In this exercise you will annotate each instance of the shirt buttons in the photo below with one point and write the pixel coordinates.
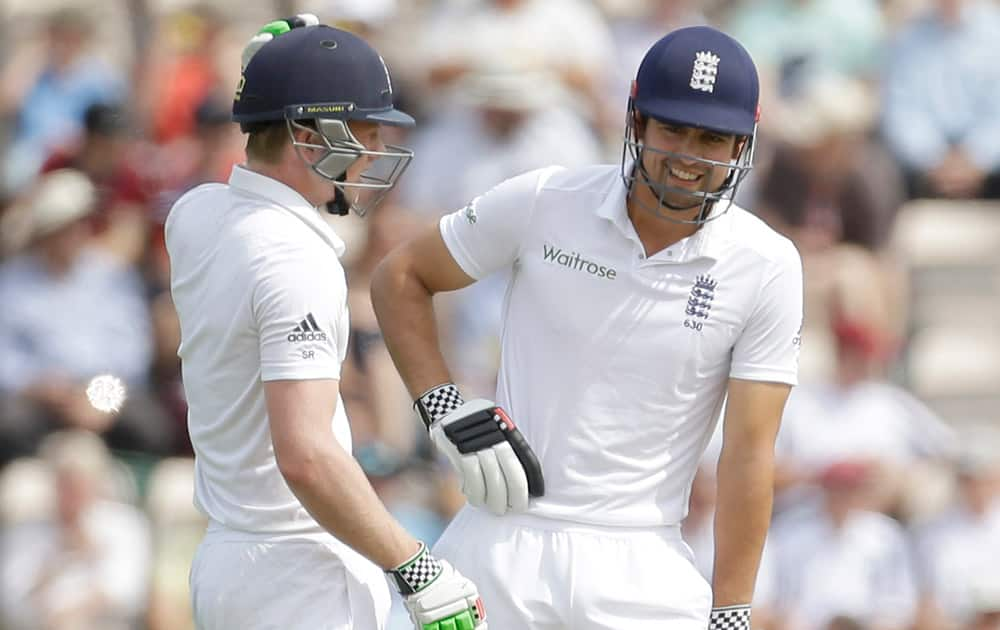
(642, 256)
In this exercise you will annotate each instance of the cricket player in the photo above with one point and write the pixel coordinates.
(641, 298)
(297, 538)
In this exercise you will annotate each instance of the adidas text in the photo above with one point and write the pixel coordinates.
(306, 336)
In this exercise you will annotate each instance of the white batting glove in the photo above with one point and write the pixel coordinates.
(270, 31)
(730, 618)
(436, 595)
(496, 466)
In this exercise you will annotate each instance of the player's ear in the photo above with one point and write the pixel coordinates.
(741, 142)
(640, 125)
(303, 134)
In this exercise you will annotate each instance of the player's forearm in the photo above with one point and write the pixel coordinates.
(743, 514)
(334, 489)
(405, 311)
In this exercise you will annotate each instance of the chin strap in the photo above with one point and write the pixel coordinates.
(339, 204)
(706, 210)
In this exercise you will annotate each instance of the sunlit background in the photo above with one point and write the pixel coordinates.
(879, 155)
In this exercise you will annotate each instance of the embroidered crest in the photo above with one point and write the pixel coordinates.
(702, 293)
(706, 66)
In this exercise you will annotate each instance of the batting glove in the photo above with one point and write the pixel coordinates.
(436, 595)
(495, 464)
(272, 30)
(730, 618)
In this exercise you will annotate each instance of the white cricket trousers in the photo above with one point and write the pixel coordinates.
(240, 581)
(543, 574)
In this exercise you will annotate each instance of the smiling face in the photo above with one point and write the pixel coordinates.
(674, 154)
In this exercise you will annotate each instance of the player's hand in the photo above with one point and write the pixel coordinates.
(495, 464)
(271, 30)
(730, 618)
(437, 596)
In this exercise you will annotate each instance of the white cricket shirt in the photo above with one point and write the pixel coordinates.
(261, 296)
(615, 365)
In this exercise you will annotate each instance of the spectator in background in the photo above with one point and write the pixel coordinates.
(85, 567)
(106, 153)
(190, 73)
(365, 18)
(507, 121)
(828, 182)
(177, 527)
(70, 313)
(49, 99)
(206, 154)
(960, 548)
(568, 38)
(860, 415)
(793, 41)
(841, 559)
(812, 36)
(942, 101)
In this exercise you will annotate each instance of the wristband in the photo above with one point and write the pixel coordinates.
(730, 618)
(416, 573)
(437, 402)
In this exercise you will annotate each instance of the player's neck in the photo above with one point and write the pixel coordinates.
(291, 175)
(657, 233)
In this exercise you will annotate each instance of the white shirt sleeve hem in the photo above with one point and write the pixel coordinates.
(297, 373)
(761, 373)
(458, 252)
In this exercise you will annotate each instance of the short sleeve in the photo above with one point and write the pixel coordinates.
(300, 309)
(486, 235)
(768, 348)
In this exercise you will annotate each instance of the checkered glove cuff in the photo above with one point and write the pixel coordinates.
(437, 402)
(416, 573)
(730, 618)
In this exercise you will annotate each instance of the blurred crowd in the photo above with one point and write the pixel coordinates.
(878, 154)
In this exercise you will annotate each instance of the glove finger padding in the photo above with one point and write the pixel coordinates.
(470, 475)
(529, 461)
(473, 481)
(516, 479)
(493, 477)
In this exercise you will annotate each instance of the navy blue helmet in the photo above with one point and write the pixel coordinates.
(319, 78)
(694, 77)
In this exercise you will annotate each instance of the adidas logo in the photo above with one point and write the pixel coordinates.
(307, 330)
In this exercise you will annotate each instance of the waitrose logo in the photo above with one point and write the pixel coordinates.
(572, 260)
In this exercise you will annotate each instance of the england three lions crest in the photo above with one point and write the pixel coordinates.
(699, 304)
(706, 67)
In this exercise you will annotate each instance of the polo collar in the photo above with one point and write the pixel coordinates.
(711, 239)
(613, 207)
(262, 186)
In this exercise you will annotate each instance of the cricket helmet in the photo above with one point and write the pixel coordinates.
(693, 77)
(319, 78)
